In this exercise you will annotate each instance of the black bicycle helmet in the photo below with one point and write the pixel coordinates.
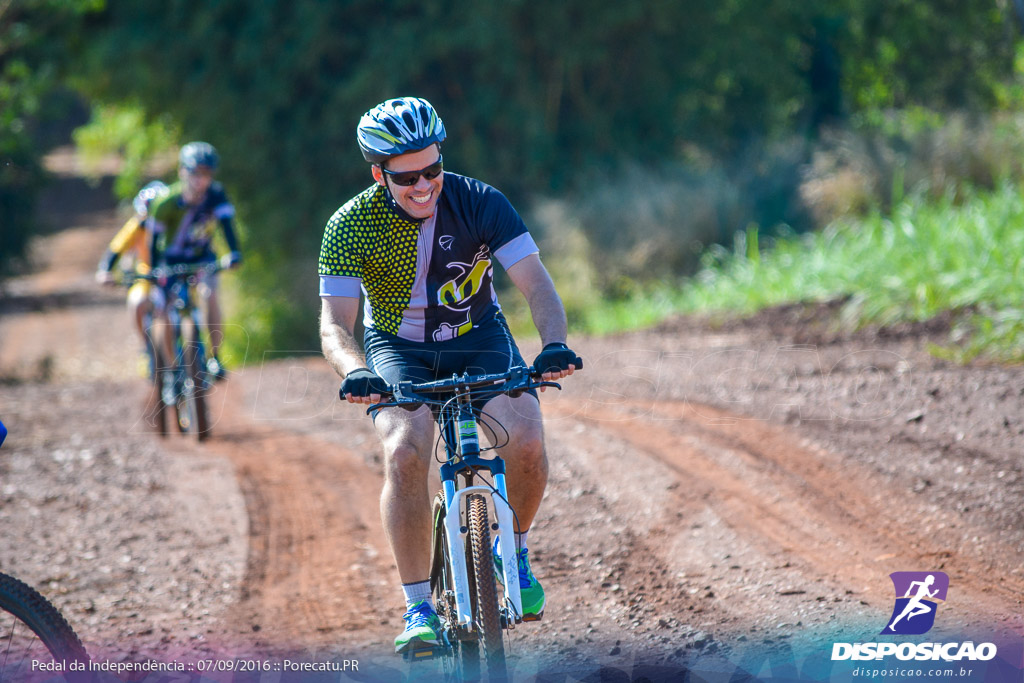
(404, 124)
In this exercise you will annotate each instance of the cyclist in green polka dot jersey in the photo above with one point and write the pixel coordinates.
(419, 245)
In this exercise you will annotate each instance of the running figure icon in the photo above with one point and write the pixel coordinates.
(918, 594)
(916, 606)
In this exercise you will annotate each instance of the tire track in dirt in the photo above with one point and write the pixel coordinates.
(318, 566)
(779, 496)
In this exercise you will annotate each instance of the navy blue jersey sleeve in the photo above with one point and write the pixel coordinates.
(224, 211)
(496, 222)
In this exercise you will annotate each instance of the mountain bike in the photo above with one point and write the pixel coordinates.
(36, 642)
(474, 615)
(183, 380)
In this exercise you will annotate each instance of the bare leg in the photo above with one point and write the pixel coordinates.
(526, 462)
(405, 500)
(138, 305)
(163, 332)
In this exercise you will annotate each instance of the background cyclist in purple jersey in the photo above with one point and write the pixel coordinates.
(182, 225)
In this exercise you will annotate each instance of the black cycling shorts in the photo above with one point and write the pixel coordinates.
(487, 349)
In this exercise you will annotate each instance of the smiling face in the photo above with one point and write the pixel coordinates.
(419, 199)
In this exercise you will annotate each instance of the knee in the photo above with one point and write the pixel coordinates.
(406, 464)
(529, 450)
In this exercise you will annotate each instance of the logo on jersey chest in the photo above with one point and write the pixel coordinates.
(468, 282)
(201, 228)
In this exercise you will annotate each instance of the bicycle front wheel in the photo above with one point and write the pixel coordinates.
(487, 612)
(36, 642)
(157, 412)
(195, 383)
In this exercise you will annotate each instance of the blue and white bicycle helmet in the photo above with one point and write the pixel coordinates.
(404, 124)
(196, 154)
(144, 199)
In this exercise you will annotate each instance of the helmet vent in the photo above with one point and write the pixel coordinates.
(397, 127)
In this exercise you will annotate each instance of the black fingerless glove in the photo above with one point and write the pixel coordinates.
(362, 382)
(556, 357)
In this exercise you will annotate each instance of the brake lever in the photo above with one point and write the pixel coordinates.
(377, 406)
(405, 405)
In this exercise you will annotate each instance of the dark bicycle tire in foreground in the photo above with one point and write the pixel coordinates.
(36, 641)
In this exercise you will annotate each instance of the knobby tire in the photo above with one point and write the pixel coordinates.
(487, 610)
(157, 412)
(465, 658)
(28, 620)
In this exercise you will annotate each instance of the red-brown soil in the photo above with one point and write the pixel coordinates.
(712, 486)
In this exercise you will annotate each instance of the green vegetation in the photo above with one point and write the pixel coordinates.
(928, 258)
(539, 99)
(37, 39)
(122, 129)
(636, 134)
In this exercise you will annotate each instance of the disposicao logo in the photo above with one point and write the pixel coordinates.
(918, 595)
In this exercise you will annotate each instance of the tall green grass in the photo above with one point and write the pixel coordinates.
(928, 258)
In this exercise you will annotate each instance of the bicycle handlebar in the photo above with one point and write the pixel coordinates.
(169, 272)
(183, 269)
(411, 395)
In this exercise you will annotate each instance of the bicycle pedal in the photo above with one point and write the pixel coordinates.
(533, 617)
(422, 653)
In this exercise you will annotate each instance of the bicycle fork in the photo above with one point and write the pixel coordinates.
(455, 509)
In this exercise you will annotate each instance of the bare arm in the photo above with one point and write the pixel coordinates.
(532, 279)
(337, 338)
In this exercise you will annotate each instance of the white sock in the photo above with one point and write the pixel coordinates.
(521, 539)
(416, 592)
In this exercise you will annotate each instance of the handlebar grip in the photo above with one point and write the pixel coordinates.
(578, 363)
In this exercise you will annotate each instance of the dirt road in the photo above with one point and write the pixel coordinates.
(712, 487)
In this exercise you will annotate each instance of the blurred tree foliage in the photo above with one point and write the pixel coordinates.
(123, 129)
(532, 93)
(37, 40)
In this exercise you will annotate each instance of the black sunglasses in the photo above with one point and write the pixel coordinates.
(407, 178)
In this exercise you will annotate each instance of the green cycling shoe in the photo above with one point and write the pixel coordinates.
(422, 629)
(530, 590)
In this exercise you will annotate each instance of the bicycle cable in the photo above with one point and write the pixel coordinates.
(445, 417)
(493, 433)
